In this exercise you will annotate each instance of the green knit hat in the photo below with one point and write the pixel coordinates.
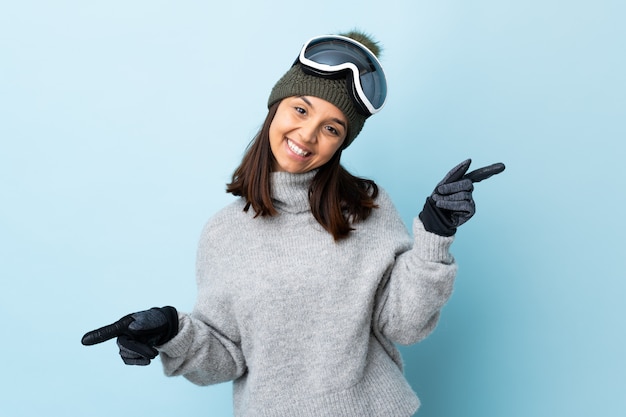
(296, 83)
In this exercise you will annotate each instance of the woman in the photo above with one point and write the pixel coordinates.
(307, 281)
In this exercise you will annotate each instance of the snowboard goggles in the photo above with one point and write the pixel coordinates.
(334, 56)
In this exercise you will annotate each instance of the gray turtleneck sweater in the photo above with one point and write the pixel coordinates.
(306, 326)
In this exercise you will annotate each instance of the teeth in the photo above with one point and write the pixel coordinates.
(297, 150)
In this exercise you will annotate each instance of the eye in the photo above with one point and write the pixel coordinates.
(333, 131)
(300, 110)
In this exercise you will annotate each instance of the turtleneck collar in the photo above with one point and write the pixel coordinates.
(290, 192)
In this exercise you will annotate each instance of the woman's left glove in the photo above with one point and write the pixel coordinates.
(138, 334)
(451, 203)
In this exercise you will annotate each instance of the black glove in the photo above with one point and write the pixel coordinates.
(138, 333)
(451, 203)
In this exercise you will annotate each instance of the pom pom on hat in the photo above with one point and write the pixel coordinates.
(296, 83)
(364, 39)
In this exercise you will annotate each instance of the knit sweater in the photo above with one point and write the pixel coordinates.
(306, 326)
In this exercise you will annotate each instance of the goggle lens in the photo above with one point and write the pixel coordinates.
(330, 56)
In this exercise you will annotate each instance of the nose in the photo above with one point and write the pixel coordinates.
(308, 132)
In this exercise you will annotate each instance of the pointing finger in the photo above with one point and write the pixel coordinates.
(457, 172)
(107, 332)
(485, 172)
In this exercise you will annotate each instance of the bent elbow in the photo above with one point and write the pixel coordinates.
(416, 332)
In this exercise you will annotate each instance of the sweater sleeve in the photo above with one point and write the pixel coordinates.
(207, 348)
(415, 288)
(201, 353)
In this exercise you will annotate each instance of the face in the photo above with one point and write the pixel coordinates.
(305, 133)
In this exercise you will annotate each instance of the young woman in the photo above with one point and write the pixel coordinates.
(308, 280)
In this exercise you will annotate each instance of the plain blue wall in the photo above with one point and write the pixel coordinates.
(120, 123)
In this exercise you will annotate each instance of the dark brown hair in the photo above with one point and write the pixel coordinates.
(338, 199)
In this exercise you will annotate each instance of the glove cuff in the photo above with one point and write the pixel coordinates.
(172, 324)
(435, 221)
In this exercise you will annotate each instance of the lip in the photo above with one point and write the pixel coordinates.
(291, 143)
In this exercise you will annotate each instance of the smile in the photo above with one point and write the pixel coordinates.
(296, 149)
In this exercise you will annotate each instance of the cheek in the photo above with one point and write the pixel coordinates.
(330, 149)
(274, 140)
(274, 131)
(278, 125)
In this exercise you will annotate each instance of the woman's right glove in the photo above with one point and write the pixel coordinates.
(451, 204)
(138, 334)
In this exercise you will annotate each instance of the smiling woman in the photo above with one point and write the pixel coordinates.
(308, 281)
(305, 133)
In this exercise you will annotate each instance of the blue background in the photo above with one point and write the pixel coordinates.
(121, 121)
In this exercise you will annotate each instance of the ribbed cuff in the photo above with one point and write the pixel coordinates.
(431, 246)
(180, 343)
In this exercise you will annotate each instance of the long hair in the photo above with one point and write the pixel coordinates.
(338, 199)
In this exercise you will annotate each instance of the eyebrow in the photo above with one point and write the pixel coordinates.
(339, 121)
